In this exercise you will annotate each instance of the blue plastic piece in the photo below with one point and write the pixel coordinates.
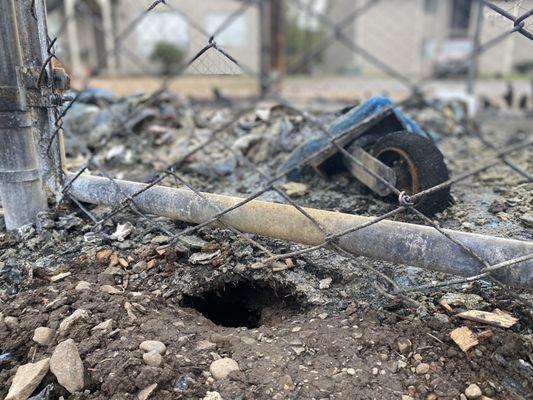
(372, 106)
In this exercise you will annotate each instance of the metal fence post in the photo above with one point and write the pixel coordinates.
(21, 190)
(39, 86)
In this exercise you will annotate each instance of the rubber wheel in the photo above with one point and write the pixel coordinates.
(419, 165)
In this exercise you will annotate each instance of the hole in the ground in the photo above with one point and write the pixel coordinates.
(244, 304)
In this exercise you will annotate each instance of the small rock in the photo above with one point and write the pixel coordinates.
(422, 368)
(110, 289)
(223, 367)
(324, 283)
(375, 371)
(298, 350)
(193, 241)
(59, 277)
(350, 371)
(294, 189)
(12, 323)
(67, 323)
(152, 359)
(205, 345)
(204, 258)
(401, 364)
(442, 318)
(146, 392)
(323, 315)
(527, 220)
(67, 366)
(473, 392)
(153, 345)
(129, 310)
(287, 383)
(122, 232)
(469, 301)
(212, 396)
(83, 285)
(105, 326)
(404, 345)
(140, 267)
(160, 239)
(407, 397)
(43, 335)
(27, 378)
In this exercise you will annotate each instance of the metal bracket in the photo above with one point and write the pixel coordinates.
(29, 175)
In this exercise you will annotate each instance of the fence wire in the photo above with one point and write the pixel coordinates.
(206, 56)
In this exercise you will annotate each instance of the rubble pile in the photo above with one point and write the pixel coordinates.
(120, 310)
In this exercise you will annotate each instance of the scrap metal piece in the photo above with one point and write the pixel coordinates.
(397, 242)
(374, 165)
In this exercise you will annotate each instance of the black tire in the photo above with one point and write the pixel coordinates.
(419, 165)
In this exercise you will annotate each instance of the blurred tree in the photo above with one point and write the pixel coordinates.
(168, 55)
(300, 42)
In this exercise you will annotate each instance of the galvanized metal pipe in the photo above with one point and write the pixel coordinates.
(20, 187)
(398, 242)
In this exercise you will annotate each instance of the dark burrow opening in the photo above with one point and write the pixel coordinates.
(245, 304)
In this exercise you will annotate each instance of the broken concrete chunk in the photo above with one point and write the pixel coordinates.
(27, 378)
(110, 289)
(499, 319)
(43, 335)
(467, 300)
(294, 189)
(68, 322)
(82, 285)
(464, 338)
(59, 277)
(152, 359)
(105, 326)
(203, 258)
(194, 242)
(212, 396)
(129, 309)
(67, 366)
(122, 232)
(404, 345)
(145, 393)
(324, 283)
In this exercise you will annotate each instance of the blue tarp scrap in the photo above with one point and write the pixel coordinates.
(372, 106)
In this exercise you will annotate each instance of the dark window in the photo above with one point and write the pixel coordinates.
(460, 19)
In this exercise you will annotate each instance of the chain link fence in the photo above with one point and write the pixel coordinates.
(212, 97)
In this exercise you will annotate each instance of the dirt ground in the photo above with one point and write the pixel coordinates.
(320, 329)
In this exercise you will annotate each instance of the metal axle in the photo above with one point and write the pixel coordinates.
(397, 242)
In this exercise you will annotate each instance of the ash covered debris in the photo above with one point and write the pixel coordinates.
(134, 285)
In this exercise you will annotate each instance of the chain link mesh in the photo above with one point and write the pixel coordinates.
(387, 55)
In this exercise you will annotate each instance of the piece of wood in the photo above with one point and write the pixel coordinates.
(485, 335)
(464, 338)
(445, 305)
(499, 319)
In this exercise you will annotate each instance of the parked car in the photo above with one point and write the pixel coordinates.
(453, 58)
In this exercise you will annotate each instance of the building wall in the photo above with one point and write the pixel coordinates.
(188, 19)
(180, 23)
(405, 34)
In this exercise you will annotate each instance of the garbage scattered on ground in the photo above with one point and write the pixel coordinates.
(134, 315)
